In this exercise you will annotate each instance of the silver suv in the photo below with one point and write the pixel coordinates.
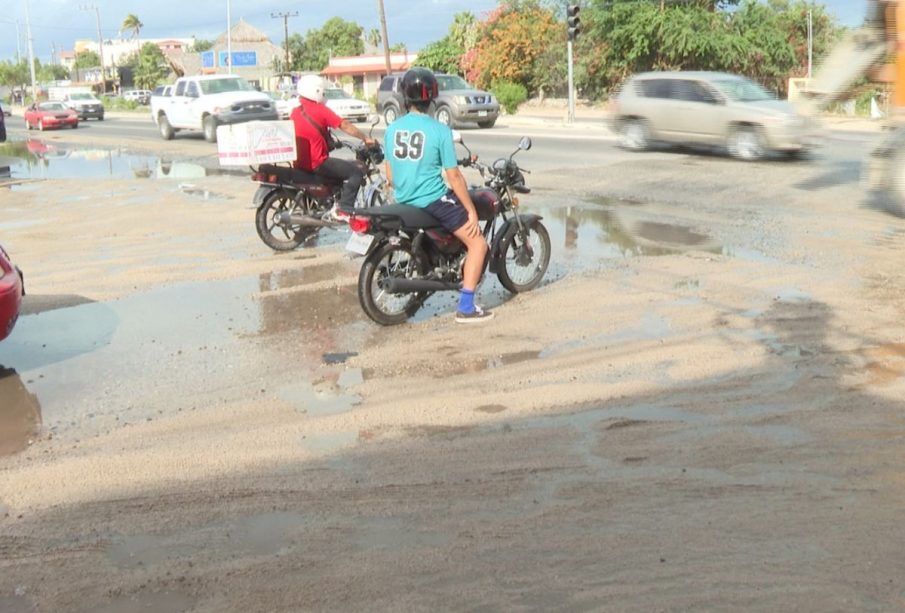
(707, 108)
(457, 102)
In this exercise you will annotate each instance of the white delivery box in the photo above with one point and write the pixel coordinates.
(256, 142)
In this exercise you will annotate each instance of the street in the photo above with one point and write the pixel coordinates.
(700, 407)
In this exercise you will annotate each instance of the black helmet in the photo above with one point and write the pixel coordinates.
(419, 85)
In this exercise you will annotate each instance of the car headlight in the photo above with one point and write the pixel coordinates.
(463, 99)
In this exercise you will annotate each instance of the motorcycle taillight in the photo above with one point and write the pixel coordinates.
(258, 177)
(360, 224)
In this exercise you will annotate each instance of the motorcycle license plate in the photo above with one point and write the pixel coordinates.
(482, 113)
(359, 243)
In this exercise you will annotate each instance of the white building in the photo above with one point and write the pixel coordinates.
(117, 50)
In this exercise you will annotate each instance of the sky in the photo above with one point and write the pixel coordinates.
(413, 22)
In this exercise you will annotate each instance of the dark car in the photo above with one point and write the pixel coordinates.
(2, 125)
(457, 101)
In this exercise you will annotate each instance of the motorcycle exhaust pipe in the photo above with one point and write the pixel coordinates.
(397, 285)
(295, 219)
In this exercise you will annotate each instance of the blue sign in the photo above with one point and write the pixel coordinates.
(240, 58)
(207, 59)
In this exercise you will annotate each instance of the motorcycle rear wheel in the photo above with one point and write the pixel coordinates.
(525, 258)
(275, 235)
(383, 263)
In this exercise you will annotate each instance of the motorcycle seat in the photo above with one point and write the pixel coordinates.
(410, 216)
(296, 176)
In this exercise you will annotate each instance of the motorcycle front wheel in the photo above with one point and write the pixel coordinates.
(382, 264)
(526, 255)
(275, 235)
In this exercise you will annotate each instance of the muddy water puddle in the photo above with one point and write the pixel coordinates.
(95, 366)
(36, 158)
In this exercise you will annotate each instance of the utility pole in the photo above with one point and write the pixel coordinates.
(31, 52)
(18, 41)
(383, 32)
(100, 40)
(229, 39)
(286, 17)
(810, 41)
(573, 29)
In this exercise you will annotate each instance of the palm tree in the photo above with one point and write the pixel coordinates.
(133, 24)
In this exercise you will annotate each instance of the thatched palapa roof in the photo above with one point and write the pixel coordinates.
(243, 32)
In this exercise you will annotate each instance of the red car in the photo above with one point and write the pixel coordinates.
(12, 288)
(50, 115)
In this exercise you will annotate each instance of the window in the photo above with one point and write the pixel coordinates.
(180, 88)
(192, 90)
(387, 84)
(655, 88)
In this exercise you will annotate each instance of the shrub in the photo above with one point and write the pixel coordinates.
(510, 94)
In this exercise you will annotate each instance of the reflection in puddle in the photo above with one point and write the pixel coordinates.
(507, 359)
(317, 401)
(307, 275)
(202, 192)
(20, 413)
(38, 159)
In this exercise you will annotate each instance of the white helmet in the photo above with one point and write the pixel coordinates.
(312, 87)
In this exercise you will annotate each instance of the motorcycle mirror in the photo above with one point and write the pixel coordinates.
(525, 143)
(457, 137)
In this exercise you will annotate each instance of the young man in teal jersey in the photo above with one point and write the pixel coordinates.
(420, 151)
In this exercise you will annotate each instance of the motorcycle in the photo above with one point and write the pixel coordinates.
(409, 256)
(293, 205)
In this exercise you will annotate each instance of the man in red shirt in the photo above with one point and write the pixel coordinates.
(312, 119)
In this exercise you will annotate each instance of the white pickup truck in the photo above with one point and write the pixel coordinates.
(205, 102)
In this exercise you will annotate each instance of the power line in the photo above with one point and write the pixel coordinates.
(285, 17)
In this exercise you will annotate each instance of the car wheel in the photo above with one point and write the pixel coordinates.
(747, 143)
(210, 129)
(390, 114)
(100, 118)
(486, 124)
(633, 135)
(166, 130)
(75, 125)
(444, 116)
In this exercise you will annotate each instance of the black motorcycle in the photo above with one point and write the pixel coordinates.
(293, 205)
(409, 256)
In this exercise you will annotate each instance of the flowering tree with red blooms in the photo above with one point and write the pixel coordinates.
(514, 41)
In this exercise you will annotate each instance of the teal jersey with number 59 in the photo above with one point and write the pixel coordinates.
(418, 148)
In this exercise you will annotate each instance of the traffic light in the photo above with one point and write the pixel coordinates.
(573, 22)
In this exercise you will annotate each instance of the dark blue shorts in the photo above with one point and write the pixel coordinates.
(449, 212)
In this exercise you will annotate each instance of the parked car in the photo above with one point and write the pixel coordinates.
(50, 115)
(12, 288)
(457, 101)
(2, 125)
(86, 105)
(285, 102)
(141, 96)
(345, 105)
(707, 108)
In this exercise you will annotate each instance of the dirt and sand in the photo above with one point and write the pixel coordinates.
(715, 425)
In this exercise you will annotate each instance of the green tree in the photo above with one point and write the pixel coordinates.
(14, 74)
(202, 45)
(134, 25)
(87, 59)
(152, 67)
(373, 38)
(336, 37)
(441, 56)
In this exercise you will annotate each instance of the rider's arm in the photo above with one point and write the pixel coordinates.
(347, 127)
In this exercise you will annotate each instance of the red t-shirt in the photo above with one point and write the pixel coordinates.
(311, 147)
